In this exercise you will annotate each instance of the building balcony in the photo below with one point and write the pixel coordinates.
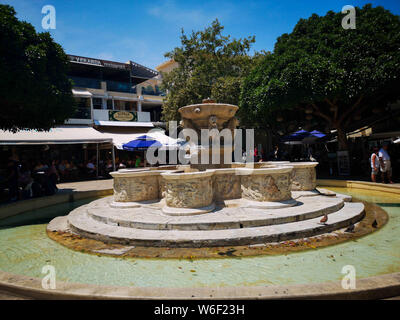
(81, 82)
(120, 86)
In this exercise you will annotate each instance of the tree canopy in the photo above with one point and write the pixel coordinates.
(35, 92)
(322, 70)
(210, 65)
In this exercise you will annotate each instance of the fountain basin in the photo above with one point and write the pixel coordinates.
(189, 190)
(199, 114)
(132, 186)
(226, 184)
(266, 184)
(304, 176)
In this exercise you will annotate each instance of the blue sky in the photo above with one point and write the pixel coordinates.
(143, 31)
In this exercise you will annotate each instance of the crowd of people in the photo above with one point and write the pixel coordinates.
(30, 179)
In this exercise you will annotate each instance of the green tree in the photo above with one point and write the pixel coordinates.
(323, 70)
(209, 65)
(35, 92)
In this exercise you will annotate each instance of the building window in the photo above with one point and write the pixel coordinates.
(119, 86)
(86, 82)
(124, 105)
(109, 104)
(97, 103)
(82, 109)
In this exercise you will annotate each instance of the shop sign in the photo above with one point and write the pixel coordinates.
(98, 62)
(122, 116)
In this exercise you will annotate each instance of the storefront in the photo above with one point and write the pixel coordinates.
(77, 144)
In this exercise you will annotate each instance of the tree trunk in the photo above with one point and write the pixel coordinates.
(342, 138)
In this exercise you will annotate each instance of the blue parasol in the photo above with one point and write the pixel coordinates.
(317, 134)
(302, 137)
(141, 143)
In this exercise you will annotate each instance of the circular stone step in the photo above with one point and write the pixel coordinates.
(152, 218)
(85, 226)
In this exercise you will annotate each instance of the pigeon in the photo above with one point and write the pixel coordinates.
(375, 224)
(324, 219)
(350, 228)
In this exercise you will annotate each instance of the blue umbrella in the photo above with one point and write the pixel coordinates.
(296, 137)
(141, 143)
(302, 137)
(317, 134)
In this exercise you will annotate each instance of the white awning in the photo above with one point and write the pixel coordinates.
(81, 93)
(123, 124)
(120, 139)
(58, 135)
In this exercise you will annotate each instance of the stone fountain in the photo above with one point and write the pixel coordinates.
(211, 205)
(210, 115)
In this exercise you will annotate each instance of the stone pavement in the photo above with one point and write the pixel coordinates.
(92, 185)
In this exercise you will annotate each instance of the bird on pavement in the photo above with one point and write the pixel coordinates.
(350, 228)
(375, 224)
(324, 219)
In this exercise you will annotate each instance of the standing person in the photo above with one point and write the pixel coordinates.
(137, 161)
(25, 181)
(374, 160)
(255, 154)
(12, 180)
(244, 155)
(386, 165)
(53, 174)
(276, 154)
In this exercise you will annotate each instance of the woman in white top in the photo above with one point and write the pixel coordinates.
(374, 160)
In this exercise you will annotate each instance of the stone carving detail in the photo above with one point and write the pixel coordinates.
(212, 122)
(135, 189)
(304, 179)
(161, 187)
(189, 193)
(189, 124)
(272, 187)
(226, 186)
